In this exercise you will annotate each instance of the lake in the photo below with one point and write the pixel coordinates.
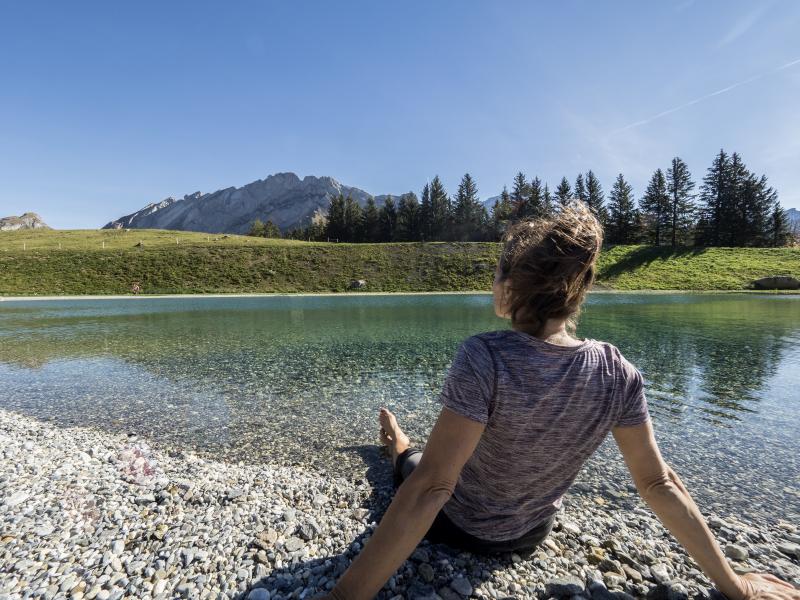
(298, 380)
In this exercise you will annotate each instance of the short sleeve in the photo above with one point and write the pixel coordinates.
(470, 383)
(633, 403)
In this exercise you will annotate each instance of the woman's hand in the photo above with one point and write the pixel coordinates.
(762, 586)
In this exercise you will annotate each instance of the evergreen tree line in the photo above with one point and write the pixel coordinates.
(734, 207)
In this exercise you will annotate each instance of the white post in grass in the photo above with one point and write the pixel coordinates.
(104, 244)
(24, 246)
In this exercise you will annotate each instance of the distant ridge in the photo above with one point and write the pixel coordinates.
(28, 220)
(794, 217)
(282, 198)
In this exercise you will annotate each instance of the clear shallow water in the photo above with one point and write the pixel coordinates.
(298, 380)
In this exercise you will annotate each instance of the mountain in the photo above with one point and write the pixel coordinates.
(27, 221)
(489, 202)
(283, 198)
(794, 217)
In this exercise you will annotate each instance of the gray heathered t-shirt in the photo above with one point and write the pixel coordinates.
(546, 408)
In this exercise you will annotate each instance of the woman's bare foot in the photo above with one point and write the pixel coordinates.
(392, 436)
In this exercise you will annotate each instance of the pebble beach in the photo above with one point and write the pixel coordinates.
(88, 514)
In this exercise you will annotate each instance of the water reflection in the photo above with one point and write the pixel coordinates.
(279, 378)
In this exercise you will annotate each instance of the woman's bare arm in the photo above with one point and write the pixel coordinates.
(664, 492)
(414, 507)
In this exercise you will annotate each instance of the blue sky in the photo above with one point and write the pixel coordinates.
(108, 106)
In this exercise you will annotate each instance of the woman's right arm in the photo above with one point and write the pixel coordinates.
(666, 495)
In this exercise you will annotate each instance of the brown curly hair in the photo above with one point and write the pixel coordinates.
(550, 265)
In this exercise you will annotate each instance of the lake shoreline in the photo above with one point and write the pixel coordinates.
(146, 520)
(355, 294)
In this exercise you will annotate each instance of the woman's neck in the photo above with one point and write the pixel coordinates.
(554, 331)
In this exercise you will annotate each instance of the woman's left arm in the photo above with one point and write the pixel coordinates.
(414, 508)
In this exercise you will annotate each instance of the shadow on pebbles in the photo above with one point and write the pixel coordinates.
(93, 515)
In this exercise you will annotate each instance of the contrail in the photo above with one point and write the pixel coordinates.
(706, 97)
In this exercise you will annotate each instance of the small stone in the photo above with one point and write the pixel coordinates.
(667, 592)
(716, 523)
(44, 530)
(570, 527)
(790, 549)
(234, 493)
(422, 592)
(736, 552)
(426, 572)
(632, 574)
(564, 587)
(305, 532)
(421, 555)
(462, 586)
(608, 565)
(145, 499)
(269, 536)
(293, 544)
(613, 579)
(596, 556)
(118, 547)
(319, 500)
(445, 593)
(258, 594)
(360, 514)
(15, 499)
(660, 573)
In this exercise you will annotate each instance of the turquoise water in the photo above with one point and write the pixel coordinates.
(298, 380)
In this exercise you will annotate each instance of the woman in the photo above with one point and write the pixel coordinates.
(523, 410)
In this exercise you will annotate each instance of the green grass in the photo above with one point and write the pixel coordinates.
(75, 263)
(649, 268)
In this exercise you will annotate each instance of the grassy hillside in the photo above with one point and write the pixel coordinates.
(75, 262)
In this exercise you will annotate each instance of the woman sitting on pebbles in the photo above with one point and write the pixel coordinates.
(523, 409)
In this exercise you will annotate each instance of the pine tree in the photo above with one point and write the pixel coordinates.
(372, 232)
(387, 221)
(502, 213)
(336, 227)
(426, 214)
(655, 208)
(580, 188)
(759, 201)
(467, 209)
(622, 213)
(781, 233)
(271, 230)
(519, 195)
(735, 212)
(535, 208)
(594, 197)
(408, 219)
(353, 221)
(563, 192)
(547, 202)
(715, 198)
(440, 212)
(681, 201)
(256, 229)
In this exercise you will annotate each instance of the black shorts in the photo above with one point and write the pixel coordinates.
(444, 531)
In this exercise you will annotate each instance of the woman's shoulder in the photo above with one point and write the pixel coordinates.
(622, 365)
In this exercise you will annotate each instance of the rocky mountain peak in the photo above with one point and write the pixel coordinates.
(282, 198)
(28, 220)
